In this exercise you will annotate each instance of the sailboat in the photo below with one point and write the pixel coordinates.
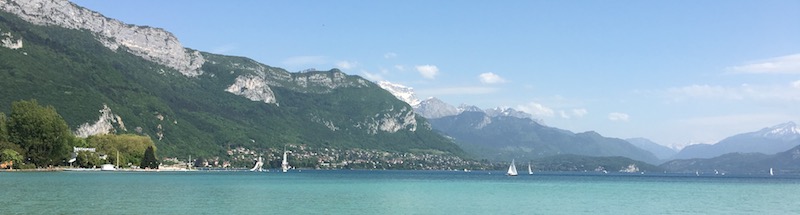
(285, 162)
(258, 165)
(530, 171)
(512, 170)
(771, 173)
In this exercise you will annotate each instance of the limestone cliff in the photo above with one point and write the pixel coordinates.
(153, 44)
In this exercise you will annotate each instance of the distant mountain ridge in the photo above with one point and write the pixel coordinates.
(768, 140)
(433, 107)
(503, 133)
(786, 162)
(660, 151)
(502, 138)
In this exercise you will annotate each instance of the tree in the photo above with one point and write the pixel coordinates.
(10, 156)
(87, 159)
(149, 160)
(131, 148)
(3, 128)
(40, 131)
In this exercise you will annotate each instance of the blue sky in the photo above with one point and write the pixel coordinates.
(676, 72)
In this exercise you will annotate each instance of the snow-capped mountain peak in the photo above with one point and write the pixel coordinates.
(432, 108)
(506, 111)
(403, 93)
(788, 130)
(468, 108)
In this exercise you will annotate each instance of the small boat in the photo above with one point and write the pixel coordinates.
(285, 163)
(771, 173)
(512, 170)
(530, 170)
(107, 167)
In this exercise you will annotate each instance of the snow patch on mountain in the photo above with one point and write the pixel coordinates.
(468, 108)
(785, 131)
(404, 93)
(433, 108)
(506, 111)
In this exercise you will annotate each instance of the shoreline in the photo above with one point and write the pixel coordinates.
(63, 169)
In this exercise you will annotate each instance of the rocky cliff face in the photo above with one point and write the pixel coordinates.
(104, 125)
(9, 41)
(152, 44)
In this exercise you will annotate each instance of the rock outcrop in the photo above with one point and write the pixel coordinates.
(153, 44)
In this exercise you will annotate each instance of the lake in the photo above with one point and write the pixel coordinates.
(392, 192)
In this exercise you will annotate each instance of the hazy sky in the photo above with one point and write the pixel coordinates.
(676, 72)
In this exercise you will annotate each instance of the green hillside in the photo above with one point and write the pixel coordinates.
(72, 71)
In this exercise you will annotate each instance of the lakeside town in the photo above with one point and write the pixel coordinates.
(304, 157)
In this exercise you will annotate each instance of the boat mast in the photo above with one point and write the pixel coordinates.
(117, 159)
(285, 162)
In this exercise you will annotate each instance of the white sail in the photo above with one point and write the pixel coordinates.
(285, 162)
(512, 170)
(530, 171)
(770, 172)
(258, 166)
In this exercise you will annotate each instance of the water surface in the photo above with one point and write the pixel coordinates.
(392, 192)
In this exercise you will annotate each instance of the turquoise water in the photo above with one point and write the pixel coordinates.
(391, 192)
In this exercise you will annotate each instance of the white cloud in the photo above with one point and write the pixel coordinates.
(371, 76)
(615, 116)
(536, 109)
(390, 55)
(742, 92)
(305, 60)
(568, 114)
(400, 67)
(491, 78)
(346, 65)
(579, 112)
(457, 91)
(564, 114)
(703, 91)
(428, 71)
(789, 64)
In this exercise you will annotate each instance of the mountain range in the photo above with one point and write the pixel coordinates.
(786, 162)
(776, 147)
(768, 140)
(188, 101)
(504, 137)
(503, 133)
